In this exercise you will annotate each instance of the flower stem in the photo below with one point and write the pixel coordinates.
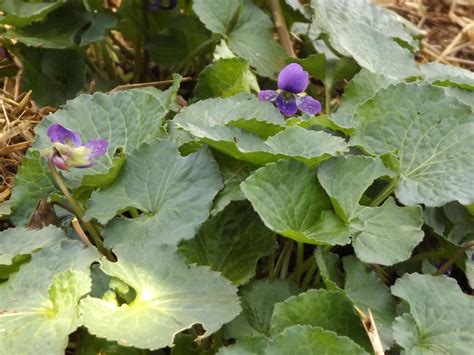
(286, 249)
(79, 211)
(309, 275)
(282, 29)
(386, 192)
(299, 261)
(456, 256)
(271, 265)
(286, 262)
(327, 91)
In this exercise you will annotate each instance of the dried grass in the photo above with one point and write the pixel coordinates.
(18, 117)
(448, 26)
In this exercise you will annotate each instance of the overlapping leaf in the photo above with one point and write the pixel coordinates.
(296, 340)
(301, 339)
(258, 300)
(23, 13)
(170, 297)
(440, 316)
(240, 132)
(387, 234)
(430, 137)
(448, 75)
(23, 241)
(126, 119)
(32, 183)
(361, 88)
(225, 77)
(366, 32)
(378, 236)
(40, 301)
(291, 202)
(368, 292)
(330, 310)
(223, 243)
(248, 31)
(174, 193)
(345, 180)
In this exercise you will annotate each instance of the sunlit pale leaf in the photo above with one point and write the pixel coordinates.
(366, 32)
(430, 137)
(22, 241)
(170, 297)
(40, 301)
(387, 234)
(448, 75)
(440, 316)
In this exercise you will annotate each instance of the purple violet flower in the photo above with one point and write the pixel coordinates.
(69, 152)
(440, 264)
(155, 5)
(290, 96)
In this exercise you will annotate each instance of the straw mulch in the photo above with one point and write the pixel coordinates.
(18, 117)
(447, 25)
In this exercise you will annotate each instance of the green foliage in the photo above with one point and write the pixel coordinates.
(397, 121)
(174, 194)
(213, 222)
(247, 30)
(440, 315)
(170, 297)
(231, 231)
(226, 77)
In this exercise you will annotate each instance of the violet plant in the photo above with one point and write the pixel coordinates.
(229, 224)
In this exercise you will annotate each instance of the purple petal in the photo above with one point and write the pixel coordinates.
(58, 133)
(98, 147)
(293, 79)
(309, 105)
(267, 95)
(286, 105)
(59, 162)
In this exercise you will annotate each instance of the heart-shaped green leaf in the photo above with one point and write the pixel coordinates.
(430, 137)
(170, 297)
(173, 192)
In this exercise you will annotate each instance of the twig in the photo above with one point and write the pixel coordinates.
(371, 328)
(281, 27)
(80, 232)
(150, 83)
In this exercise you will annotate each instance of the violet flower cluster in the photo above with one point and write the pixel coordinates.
(290, 96)
(68, 150)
